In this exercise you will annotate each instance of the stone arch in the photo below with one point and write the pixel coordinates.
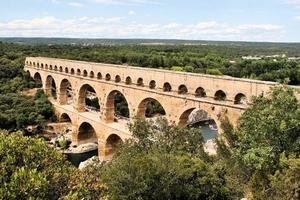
(42, 66)
(150, 107)
(30, 63)
(240, 98)
(152, 84)
(66, 70)
(140, 82)
(66, 93)
(78, 72)
(38, 79)
(112, 143)
(182, 89)
(167, 87)
(87, 99)
(51, 87)
(86, 133)
(85, 73)
(33, 64)
(72, 71)
(99, 75)
(220, 95)
(205, 120)
(64, 117)
(92, 74)
(128, 80)
(200, 92)
(117, 79)
(50, 67)
(38, 65)
(116, 105)
(107, 77)
(55, 68)
(46, 66)
(60, 68)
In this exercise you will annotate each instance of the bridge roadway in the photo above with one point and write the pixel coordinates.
(179, 94)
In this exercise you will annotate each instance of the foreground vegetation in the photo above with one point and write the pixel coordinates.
(258, 159)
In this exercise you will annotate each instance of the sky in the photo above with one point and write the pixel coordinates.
(226, 20)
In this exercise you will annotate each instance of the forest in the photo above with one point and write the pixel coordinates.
(258, 159)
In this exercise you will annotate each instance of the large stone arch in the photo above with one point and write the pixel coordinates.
(38, 79)
(110, 109)
(112, 143)
(64, 117)
(142, 107)
(86, 133)
(183, 117)
(51, 87)
(82, 95)
(65, 92)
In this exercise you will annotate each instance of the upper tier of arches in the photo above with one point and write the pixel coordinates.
(193, 91)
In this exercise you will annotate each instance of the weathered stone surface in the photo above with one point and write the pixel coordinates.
(91, 161)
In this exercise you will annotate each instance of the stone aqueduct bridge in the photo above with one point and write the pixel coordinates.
(179, 93)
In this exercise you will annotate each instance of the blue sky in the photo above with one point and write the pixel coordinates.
(243, 20)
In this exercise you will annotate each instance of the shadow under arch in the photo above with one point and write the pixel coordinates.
(150, 107)
(88, 99)
(86, 134)
(51, 87)
(116, 105)
(66, 92)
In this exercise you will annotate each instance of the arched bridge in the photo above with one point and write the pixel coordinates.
(70, 84)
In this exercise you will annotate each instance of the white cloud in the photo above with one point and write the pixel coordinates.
(297, 17)
(75, 4)
(116, 27)
(131, 12)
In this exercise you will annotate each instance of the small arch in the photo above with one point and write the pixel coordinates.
(78, 72)
(117, 79)
(34, 64)
(30, 63)
(92, 74)
(167, 87)
(113, 142)
(107, 77)
(152, 84)
(65, 118)
(50, 67)
(66, 70)
(27, 62)
(38, 65)
(42, 66)
(99, 75)
(86, 134)
(220, 95)
(46, 66)
(200, 92)
(72, 71)
(140, 82)
(85, 73)
(38, 79)
(60, 69)
(182, 89)
(55, 68)
(128, 80)
(240, 98)
(150, 107)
